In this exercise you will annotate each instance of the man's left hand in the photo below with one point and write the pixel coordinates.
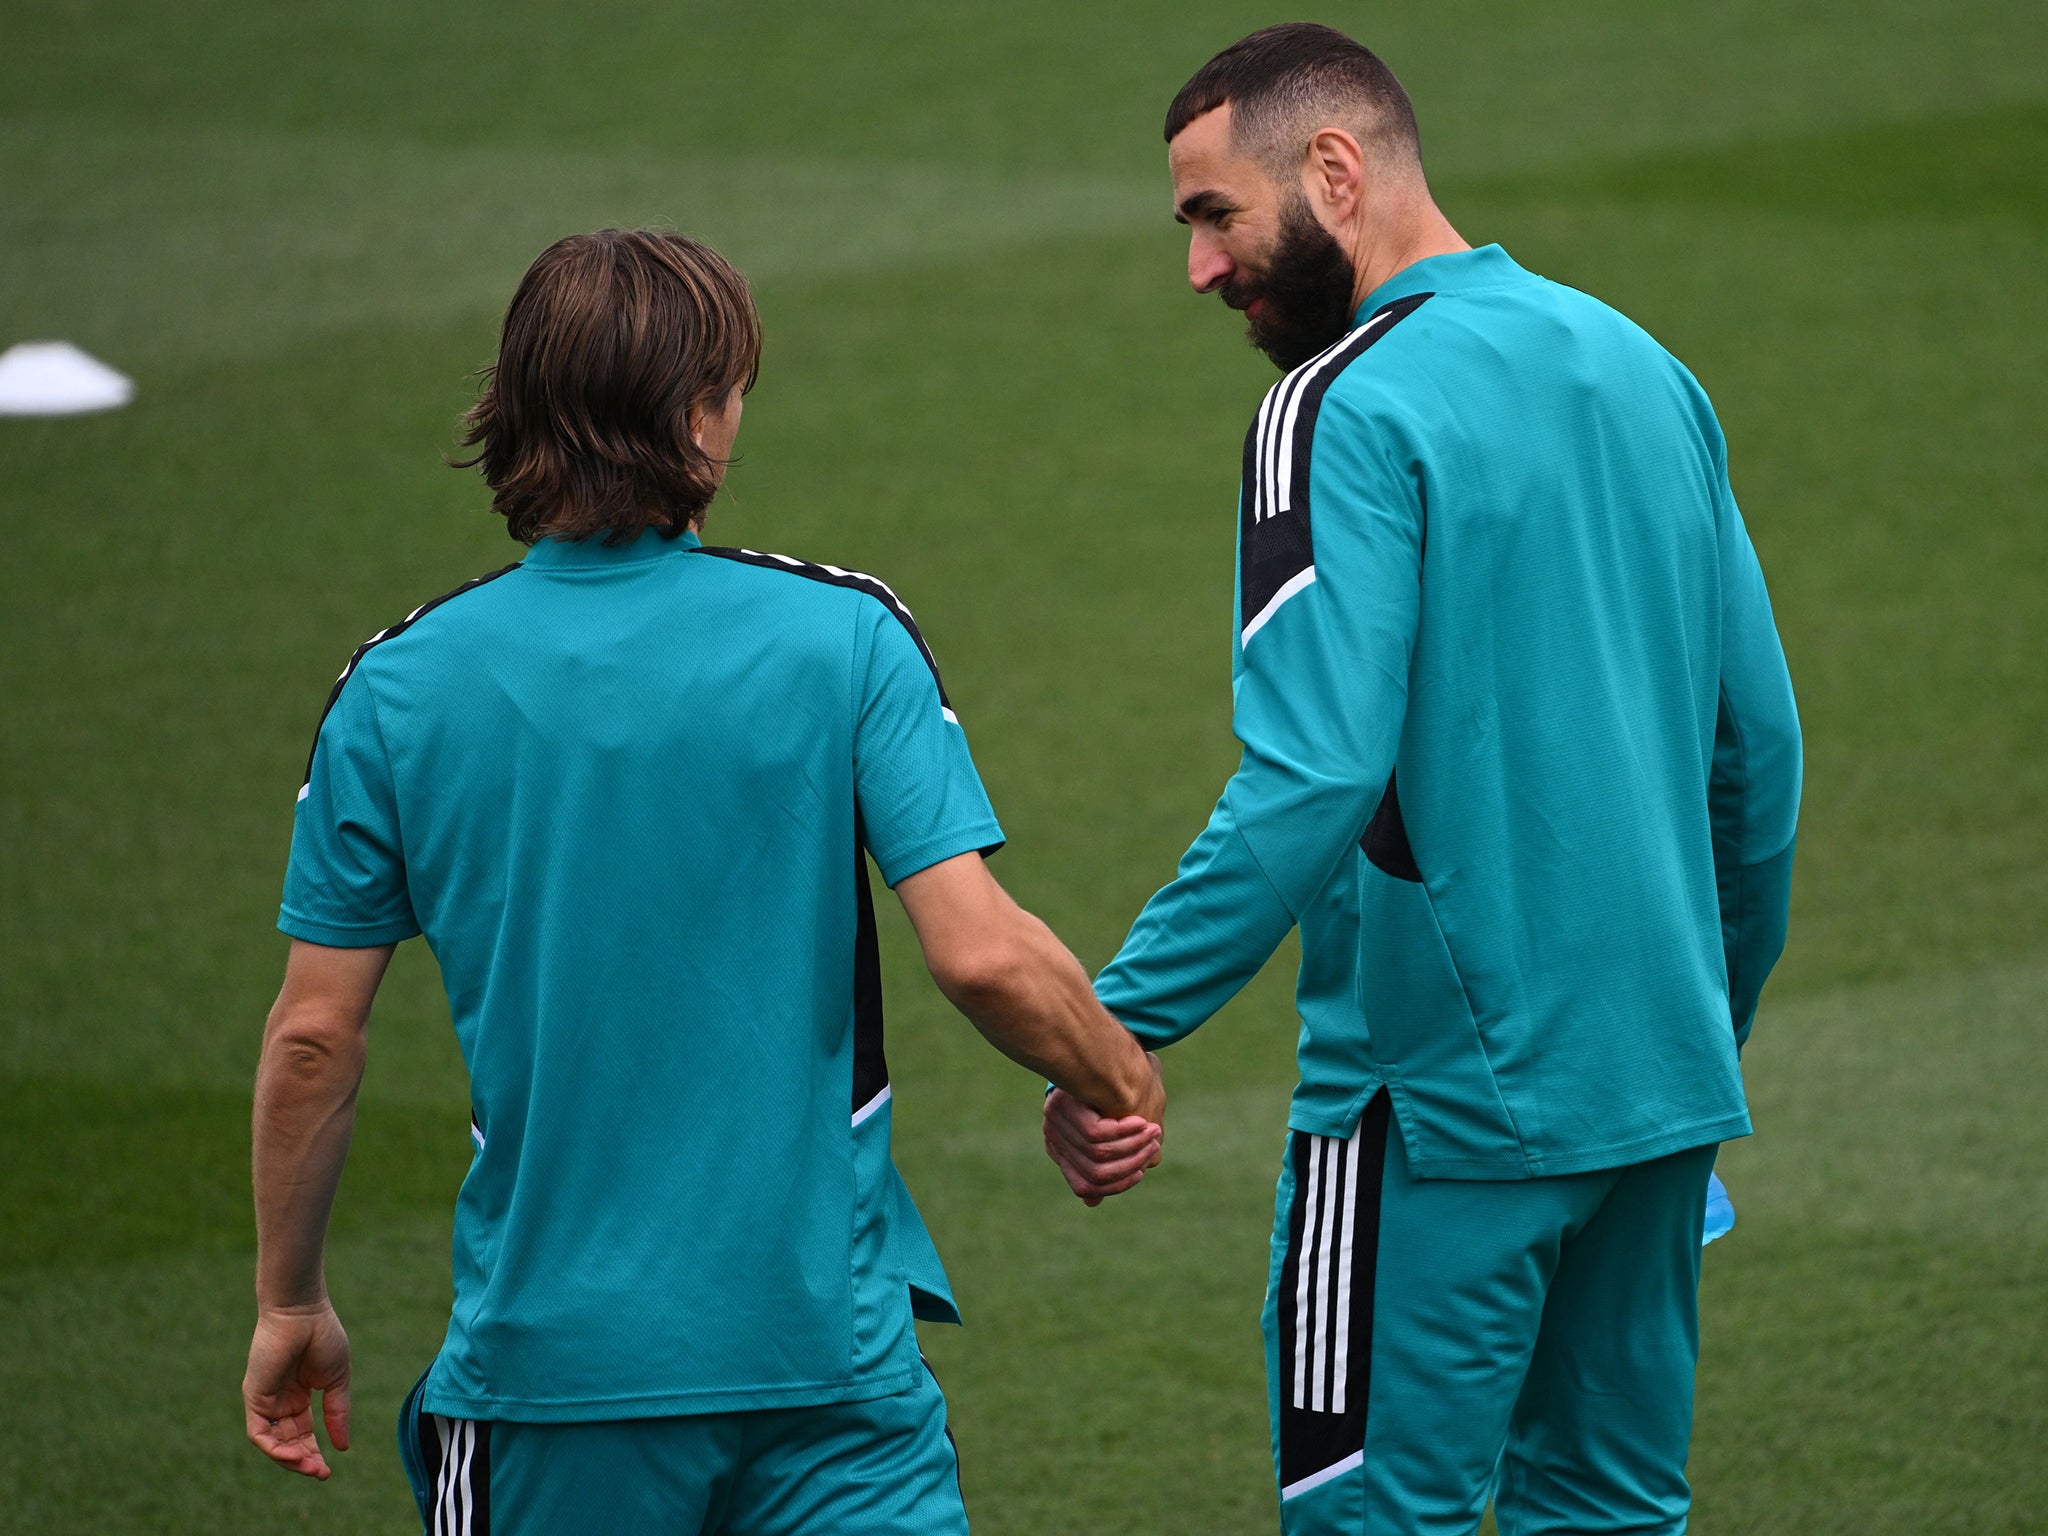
(296, 1352)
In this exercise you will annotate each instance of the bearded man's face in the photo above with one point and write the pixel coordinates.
(1298, 300)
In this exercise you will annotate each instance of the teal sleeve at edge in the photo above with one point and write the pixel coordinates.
(346, 885)
(1320, 693)
(1754, 788)
(1756, 906)
(921, 798)
(1198, 941)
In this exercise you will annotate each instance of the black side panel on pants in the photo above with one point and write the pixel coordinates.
(1325, 1380)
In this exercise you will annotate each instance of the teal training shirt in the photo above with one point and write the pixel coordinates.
(1520, 753)
(625, 793)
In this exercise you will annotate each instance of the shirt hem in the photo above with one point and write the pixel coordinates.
(662, 1405)
(1514, 1165)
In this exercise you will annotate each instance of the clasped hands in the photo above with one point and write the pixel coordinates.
(1099, 1155)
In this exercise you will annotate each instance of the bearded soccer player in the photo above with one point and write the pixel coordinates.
(627, 789)
(1521, 763)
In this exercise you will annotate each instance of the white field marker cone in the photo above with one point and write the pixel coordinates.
(54, 378)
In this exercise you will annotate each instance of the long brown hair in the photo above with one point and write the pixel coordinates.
(612, 338)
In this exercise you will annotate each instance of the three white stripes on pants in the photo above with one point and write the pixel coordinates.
(454, 1506)
(1322, 1344)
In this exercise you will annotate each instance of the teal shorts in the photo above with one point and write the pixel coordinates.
(885, 1467)
(1431, 1343)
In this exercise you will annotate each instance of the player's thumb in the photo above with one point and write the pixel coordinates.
(334, 1410)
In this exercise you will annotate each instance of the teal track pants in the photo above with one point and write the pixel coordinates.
(1430, 1342)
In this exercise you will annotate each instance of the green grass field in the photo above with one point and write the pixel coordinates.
(986, 380)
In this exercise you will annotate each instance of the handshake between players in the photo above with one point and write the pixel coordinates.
(1521, 765)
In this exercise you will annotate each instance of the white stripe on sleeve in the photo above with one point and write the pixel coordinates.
(1317, 1479)
(1295, 583)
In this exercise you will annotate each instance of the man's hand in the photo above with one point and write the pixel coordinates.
(296, 1352)
(1101, 1157)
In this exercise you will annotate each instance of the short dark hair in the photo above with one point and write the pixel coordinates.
(1279, 80)
(611, 339)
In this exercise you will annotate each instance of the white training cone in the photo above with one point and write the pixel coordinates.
(54, 378)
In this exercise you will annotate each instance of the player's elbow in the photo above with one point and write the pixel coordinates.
(313, 1048)
(982, 975)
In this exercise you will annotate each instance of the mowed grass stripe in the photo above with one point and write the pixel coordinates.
(1053, 88)
(1969, 163)
(1871, 1383)
(122, 1389)
(1908, 1108)
(245, 243)
(106, 1173)
(303, 233)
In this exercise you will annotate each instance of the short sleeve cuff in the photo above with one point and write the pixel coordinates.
(983, 837)
(345, 935)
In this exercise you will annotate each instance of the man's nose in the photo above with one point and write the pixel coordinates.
(1209, 266)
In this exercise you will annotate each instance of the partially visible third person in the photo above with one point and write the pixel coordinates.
(1521, 763)
(628, 789)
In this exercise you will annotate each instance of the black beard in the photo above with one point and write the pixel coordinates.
(1307, 286)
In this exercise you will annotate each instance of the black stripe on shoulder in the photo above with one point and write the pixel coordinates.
(832, 575)
(1369, 335)
(386, 634)
(1275, 544)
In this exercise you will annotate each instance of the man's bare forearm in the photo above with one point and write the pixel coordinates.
(1023, 990)
(305, 1114)
(1036, 1005)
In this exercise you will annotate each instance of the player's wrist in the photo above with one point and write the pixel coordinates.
(1139, 1089)
(285, 1303)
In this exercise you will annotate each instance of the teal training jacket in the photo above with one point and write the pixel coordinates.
(1521, 758)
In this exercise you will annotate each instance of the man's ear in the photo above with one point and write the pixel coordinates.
(1333, 174)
